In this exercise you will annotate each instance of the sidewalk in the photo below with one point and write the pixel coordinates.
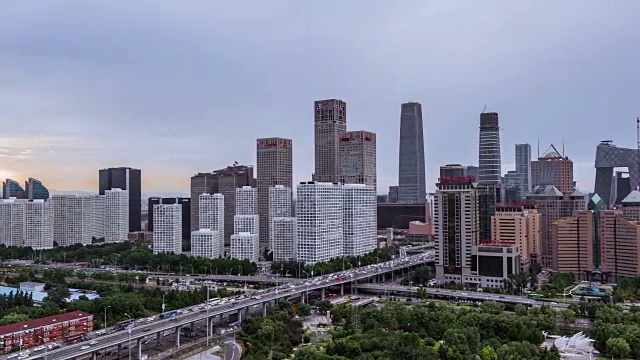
(206, 355)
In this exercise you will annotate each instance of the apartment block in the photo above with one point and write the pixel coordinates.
(12, 222)
(38, 224)
(211, 214)
(284, 241)
(167, 233)
(73, 218)
(246, 201)
(207, 243)
(245, 246)
(520, 226)
(573, 245)
(116, 214)
(359, 219)
(246, 223)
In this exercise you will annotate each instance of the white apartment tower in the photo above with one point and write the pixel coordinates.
(280, 201)
(319, 221)
(206, 243)
(456, 227)
(98, 210)
(211, 215)
(359, 204)
(357, 153)
(12, 222)
(72, 219)
(38, 224)
(116, 215)
(167, 228)
(283, 239)
(246, 201)
(245, 246)
(246, 223)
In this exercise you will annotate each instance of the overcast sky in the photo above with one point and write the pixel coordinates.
(177, 87)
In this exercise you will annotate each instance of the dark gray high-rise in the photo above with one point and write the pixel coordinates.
(129, 179)
(489, 161)
(411, 172)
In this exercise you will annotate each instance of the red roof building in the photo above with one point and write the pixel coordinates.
(67, 326)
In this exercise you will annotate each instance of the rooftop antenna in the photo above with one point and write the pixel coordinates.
(563, 147)
(484, 108)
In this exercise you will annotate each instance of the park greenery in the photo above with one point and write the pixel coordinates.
(398, 331)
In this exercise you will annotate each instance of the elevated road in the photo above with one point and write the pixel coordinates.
(459, 294)
(240, 307)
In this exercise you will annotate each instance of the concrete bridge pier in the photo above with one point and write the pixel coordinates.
(178, 336)
(119, 348)
(322, 294)
(193, 326)
(246, 312)
(94, 356)
(159, 337)
(264, 309)
(139, 343)
(342, 289)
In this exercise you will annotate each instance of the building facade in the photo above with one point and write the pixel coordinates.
(489, 160)
(284, 241)
(167, 234)
(330, 120)
(518, 225)
(245, 246)
(359, 219)
(319, 215)
(246, 201)
(523, 168)
(201, 183)
(98, 210)
(412, 185)
(129, 179)
(12, 222)
(207, 243)
(246, 223)
(555, 169)
(211, 214)
(573, 245)
(185, 202)
(116, 215)
(38, 224)
(357, 153)
(73, 218)
(274, 167)
(456, 227)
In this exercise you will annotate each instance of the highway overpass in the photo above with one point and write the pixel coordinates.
(240, 308)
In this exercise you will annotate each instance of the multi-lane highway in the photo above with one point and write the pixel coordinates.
(237, 304)
(469, 295)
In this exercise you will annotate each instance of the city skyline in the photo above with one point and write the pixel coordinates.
(78, 97)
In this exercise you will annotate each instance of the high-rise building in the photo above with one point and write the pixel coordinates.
(12, 222)
(489, 195)
(274, 167)
(555, 169)
(284, 238)
(201, 183)
(116, 215)
(523, 168)
(12, 189)
(319, 215)
(245, 246)
(129, 179)
(411, 171)
(330, 120)
(212, 215)
(357, 157)
(38, 225)
(167, 233)
(206, 243)
(185, 202)
(393, 194)
(35, 190)
(246, 223)
(489, 160)
(518, 225)
(456, 227)
(452, 170)
(98, 221)
(280, 201)
(246, 201)
(359, 219)
(573, 245)
(72, 219)
(553, 205)
(620, 238)
(609, 157)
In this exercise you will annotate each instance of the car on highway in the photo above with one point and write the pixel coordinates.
(93, 343)
(85, 347)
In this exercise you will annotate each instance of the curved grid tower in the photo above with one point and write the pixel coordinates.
(489, 161)
(411, 170)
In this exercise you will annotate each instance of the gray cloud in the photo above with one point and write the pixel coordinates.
(177, 89)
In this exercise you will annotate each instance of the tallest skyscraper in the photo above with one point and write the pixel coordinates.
(411, 172)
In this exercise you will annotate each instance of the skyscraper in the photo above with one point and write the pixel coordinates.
(330, 121)
(38, 224)
(12, 222)
(129, 179)
(167, 233)
(116, 215)
(411, 173)
(553, 168)
(201, 183)
(274, 167)
(319, 217)
(35, 190)
(245, 246)
(523, 168)
(489, 161)
(186, 212)
(206, 243)
(357, 153)
(284, 238)
(359, 219)
(72, 219)
(212, 216)
(12, 189)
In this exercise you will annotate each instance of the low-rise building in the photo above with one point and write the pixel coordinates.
(69, 327)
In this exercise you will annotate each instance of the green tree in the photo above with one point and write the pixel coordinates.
(488, 353)
(13, 318)
(618, 347)
(567, 315)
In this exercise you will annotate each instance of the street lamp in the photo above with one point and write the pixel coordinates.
(239, 270)
(129, 329)
(105, 316)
